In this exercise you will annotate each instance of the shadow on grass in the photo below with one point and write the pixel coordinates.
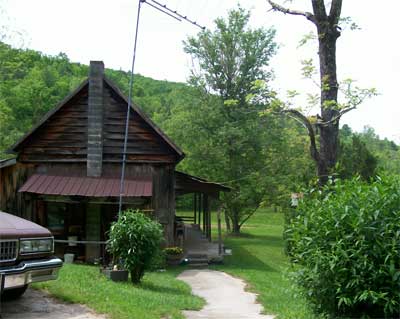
(264, 240)
(242, 259)
(162, 289)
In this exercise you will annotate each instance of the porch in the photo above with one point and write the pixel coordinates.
(79, 211)
(198, 249)
(195, 227)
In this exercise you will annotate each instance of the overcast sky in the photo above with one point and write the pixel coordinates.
(103, 30)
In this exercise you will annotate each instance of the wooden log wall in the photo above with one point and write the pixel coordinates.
(63, 137)
(163, 200)
(11, 179)
(143, 143)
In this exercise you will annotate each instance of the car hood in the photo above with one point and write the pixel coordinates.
(15, 227)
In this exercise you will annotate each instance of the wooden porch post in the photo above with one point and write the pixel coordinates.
(219, 231)
(204, 214)
(199, 202)
(194, 208)
(209, 218)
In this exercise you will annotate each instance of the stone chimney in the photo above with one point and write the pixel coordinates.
(95, 119)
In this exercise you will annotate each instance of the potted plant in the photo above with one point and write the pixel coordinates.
(173, 255)
(134, 239)
(116, 273)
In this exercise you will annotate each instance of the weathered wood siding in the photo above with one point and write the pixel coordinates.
(144, 145)
(11, 179)
(163, 200)
(63, 137)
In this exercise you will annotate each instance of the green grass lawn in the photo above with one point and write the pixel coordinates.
(160, 295)
(257, 257)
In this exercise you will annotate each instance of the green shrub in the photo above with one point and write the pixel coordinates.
(158, 261)
(345, 241)
(135, 240)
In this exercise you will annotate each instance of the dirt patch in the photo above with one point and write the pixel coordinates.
(39, 305)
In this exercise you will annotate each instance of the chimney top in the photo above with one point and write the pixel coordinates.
(96, 68)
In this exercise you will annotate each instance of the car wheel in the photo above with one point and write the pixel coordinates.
(15, 293)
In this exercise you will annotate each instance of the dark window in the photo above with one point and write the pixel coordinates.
(56, 215)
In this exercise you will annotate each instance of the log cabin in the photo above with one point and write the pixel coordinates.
(66, 171)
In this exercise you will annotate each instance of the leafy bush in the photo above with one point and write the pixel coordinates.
(158, 261)
(135, 240)
(345, 240)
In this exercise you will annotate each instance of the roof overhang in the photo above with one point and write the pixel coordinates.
(110, 187)
(86, 186)
(186, 184)
(8, 162)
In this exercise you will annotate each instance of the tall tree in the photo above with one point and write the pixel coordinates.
(233, 60)
(324, 153)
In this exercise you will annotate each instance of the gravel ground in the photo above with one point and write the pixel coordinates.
(38, 305)
(225, 296)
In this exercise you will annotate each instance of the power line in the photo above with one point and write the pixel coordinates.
(173, 14)
(122, 183)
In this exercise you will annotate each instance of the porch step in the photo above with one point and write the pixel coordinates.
(197, 260)
(202, 265)
(197, 256)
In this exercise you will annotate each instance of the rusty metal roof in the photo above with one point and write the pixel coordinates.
(86, 186)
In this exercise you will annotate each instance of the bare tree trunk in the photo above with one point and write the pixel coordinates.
(329, 133)
(227, 221)
(328, 124)
(234, 216)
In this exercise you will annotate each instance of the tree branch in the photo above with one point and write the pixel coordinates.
(336, 9)
(337, 117)
(298, 116)
(277, 7)
(319, 9)
(247, 218)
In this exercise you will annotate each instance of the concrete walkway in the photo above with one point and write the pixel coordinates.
(225, 296)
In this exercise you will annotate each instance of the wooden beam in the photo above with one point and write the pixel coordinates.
(209, 218)
(194, 208)
(200, 209)
(204, 214)
(219, 231)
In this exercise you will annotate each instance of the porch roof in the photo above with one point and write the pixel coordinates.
(110, 186)
(86, 186)
(186, 183)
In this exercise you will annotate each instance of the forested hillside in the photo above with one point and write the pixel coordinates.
(32, 83)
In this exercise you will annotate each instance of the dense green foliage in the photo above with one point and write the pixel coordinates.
(232, 59)
(345, 243)
(134, 240)
(354, 157)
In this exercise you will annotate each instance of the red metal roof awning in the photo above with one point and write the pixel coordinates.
(86, 186)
